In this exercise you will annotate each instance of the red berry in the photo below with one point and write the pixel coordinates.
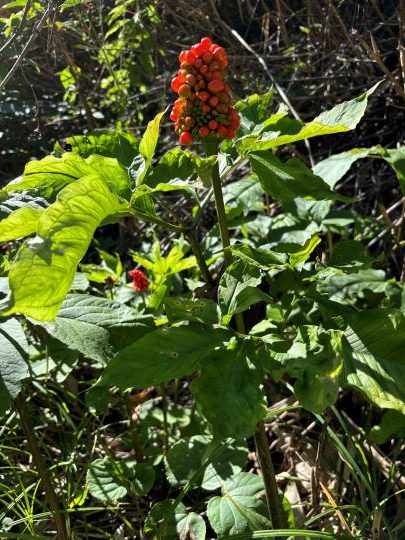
(231, 133)
(189, 120)
(207, 58)
(204, 131)
(199, 49)
(206, 109)
(183, 56)
(139, 280)
(206, 42)
(198, 63)
(190, 78)
(184, 91)
(222, 130)
(213, 101)
(175, 84)
(204, 69)
(203, 96)
(186, 138)
(213, 124)
(190, 58)
(215, 86)
(173, 116)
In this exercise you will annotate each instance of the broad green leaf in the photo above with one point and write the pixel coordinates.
(316, 393)
(51, 174)
(229, 393)
(238, 509)
(58, 360)
(170, 522)
(261, 257)
(350, 254)
(20, 223)
(104, 480)
(97, 326)
(186, 457)
(45, 265)
(286, 181)
(333, 168)
(396, 158)
(392, 425)
(143, 479)
(113, 144)
(246, 194)
(162, 355)
(10, 202)
(13, 366)
(297, 258)
(238, 290)
(375, 362)
(203, 310)
(253, 111)
(141, 164)
(343, 117)
(344, 288)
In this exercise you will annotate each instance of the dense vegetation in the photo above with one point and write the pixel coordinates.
(202, 341)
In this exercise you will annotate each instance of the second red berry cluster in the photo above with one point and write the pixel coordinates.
(204, 107)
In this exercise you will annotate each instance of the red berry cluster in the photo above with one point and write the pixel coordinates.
(139, 280)
(204, 107)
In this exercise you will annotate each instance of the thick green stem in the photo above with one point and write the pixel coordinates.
(262, 446)
(269, 477)
(54, 504)
(196, 248)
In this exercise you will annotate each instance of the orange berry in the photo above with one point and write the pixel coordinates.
(213, 101)
(184, 91)
(206, 42)
(204, 131)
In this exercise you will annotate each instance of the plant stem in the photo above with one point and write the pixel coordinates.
(262, 446)
(196, 248)
(53, 501)
(269, 477)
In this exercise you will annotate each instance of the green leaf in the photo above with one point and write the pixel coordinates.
(396, 158)
(253, 111)
(297, 258)
(113, 144)
(375, 362)
(162, 355)
(350, 254)
(246, 194)
(333, 168)
(344, 288)
(45, 265)
(186, 457)
(238, 509)
(144, 478)
(51, 174)
(263, 258)
(392, 425)
(343, 117)
(229, 393)
(10, 202)
(13, 367)
(20, 223)
(170, 522)
(141, 164)
(104, 480)
(237, 290)
(286, 181)
(96, 326)
(203, 311)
